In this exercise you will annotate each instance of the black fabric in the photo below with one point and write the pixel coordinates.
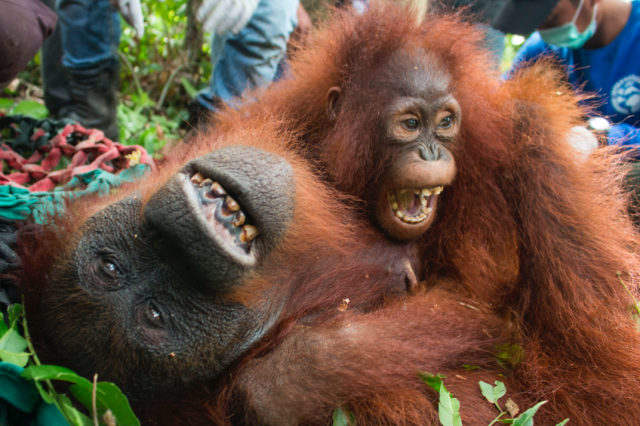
(17, 130)
(523, 16)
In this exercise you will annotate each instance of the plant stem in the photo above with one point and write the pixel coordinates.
(497, 418)
(52, 390)
(133, 73)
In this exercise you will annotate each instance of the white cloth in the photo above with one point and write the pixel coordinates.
(223, 16)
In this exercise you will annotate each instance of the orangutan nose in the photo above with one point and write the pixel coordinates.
(429, 152)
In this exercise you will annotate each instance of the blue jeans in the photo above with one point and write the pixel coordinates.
(250, 59)
(90, 31)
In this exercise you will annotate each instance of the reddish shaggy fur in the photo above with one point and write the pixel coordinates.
(527, 236)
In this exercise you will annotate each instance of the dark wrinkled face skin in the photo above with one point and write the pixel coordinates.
(418, 124)
(142, 298)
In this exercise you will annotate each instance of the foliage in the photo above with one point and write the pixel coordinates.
(449, 407)
(108, 400)
(31, 108)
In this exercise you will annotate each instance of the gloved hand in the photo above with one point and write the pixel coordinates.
(223, 16)
(131, 11)
(583, 140)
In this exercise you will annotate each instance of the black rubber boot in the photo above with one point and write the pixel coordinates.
(93, 99)
(54, 74)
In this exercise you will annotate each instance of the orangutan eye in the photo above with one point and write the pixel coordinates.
(152, 315)
(110, 268)
(410, 124)
(446, 122)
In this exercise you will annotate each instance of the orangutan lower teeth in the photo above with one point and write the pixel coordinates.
(411, 205)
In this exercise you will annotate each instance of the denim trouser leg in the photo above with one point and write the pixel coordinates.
(250, 59)
(90, 32)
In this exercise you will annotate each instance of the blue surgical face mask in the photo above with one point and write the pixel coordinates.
(567, 35)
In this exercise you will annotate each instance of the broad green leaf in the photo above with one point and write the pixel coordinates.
(32, 109)
(493, 394)
(19, 359)
(188, 87)
(43, 393)
(342, 417)
(4, 328)
(12, 341)
(72, 415)
(53, 372)
(526, 418)
(113, 398)
(6, 103)
(448, 409)
(562, 423)
(434, 382)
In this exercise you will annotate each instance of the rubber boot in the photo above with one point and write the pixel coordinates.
(93, 99)
(54, 74)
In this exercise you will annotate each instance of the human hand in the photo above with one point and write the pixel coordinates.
(223, 16)
(131, 11)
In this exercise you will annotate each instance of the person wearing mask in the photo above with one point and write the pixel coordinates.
(598, 42)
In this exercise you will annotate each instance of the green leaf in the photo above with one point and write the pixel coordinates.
(342, 417)
(32, 109)
(434, 382)
(562, 423)
(188, 87)
(53, 372)
(471, 367)
(19, 359)
(6, 103)
(113, 398)
(12, 341)
(493, 394)
(448, 408)
(526, 418)
(148, 138)
(75, 417)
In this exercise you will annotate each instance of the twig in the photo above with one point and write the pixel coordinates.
(133, 73)
(165, 89)
(93, 400)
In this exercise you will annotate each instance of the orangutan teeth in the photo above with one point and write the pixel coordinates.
(217, 190)
(197, 179)
(239, 220)
(231, 205)
(249, 232)
(404, 203)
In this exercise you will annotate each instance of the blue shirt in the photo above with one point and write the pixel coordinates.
(612, 73)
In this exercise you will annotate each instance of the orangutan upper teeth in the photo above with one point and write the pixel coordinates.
(403, 204)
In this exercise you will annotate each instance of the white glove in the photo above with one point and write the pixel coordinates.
(223, 16)
(131, 11)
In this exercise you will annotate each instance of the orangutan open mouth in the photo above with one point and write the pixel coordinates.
(413, 206)
(224, 213)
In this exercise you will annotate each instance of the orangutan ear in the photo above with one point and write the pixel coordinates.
(333, 102)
